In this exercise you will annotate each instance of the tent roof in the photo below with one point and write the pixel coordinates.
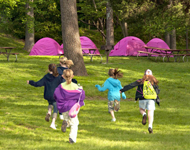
(85, 44)
(128, 46)
(156, 42)
(45, 46)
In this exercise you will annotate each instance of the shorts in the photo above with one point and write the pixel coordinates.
(113, 105)
(147, 104)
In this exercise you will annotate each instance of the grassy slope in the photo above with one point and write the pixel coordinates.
(22, 107)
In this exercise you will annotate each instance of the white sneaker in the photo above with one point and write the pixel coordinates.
(61, 117)
(113, 120)
(53, 126)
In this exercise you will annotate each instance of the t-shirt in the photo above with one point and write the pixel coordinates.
(71, 86)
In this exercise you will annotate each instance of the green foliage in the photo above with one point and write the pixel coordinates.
(145, 18)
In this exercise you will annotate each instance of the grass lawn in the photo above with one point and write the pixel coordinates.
(23, 109)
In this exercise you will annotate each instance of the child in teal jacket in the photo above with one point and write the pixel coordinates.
(113, 85)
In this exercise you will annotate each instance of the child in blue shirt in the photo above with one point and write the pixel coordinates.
(113, 85)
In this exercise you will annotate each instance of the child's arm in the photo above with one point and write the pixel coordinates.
(39, 83)
(102, 89)
(122, 94)
(130, 86)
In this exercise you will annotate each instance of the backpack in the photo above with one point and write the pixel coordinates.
(148, 91)
(75, 108)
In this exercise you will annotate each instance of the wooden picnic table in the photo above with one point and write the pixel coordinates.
(91, 53)
(7, 52)
(176, 53)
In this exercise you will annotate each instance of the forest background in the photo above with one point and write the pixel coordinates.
(145, 19)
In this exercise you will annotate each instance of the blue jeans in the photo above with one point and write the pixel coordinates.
(55, 110)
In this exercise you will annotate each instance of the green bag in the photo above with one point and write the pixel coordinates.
(148, 91)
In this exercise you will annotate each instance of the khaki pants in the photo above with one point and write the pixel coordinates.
(113, 105)
(73, 123)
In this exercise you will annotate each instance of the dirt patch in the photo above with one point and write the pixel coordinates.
(105, 98)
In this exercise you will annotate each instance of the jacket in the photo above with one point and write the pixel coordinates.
(113, 86)
(139, 95)
(67, 98)
(50, 83)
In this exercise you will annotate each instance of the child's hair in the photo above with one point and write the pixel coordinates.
(148, 76)
(53, 69)
(68, 75)
(115, 73)
(65, 61)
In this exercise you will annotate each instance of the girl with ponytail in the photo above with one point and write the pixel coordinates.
(50, 81)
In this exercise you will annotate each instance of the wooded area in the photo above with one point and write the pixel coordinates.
(32, 20)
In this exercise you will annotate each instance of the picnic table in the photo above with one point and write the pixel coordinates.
(90, 54)
(166, 53)
(7, 52)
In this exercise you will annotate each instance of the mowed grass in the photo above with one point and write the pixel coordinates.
(23, 109)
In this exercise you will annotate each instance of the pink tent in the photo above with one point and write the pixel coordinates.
(46, 46)
(86, 43)
(128, 46)
(156, 42)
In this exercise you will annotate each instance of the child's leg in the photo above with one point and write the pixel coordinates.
(112, 114)
(116, 105)
(150, 108)
(74, 122)
(143, 112)
(54, 117)
(50, 107)
(150, 117)
(111, 110)
(66, 122)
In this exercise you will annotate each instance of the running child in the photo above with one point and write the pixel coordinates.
(66, 95)
(50, 81)
(145, 104)
(113, 85)
(64, 63)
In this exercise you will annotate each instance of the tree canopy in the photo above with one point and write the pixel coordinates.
(145, 18)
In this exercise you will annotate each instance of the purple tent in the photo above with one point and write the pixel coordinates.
(46, 46)
(156, 42)
(86, 43)
(128, 46)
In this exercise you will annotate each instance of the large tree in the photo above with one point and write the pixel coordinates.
(70, 36)
(29, 33)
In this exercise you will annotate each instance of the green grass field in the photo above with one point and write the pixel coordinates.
(23, 109)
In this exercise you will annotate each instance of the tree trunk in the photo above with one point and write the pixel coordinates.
(89, 25)
(173, 39)
(109, 27)
(29, 33)
(187, 39)
(71, 37)
(125, 29)
(167, 38)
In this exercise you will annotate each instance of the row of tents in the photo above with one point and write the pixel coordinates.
(128, 46)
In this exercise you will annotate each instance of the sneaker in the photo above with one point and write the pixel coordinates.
(150, 130)
(47, 117)
(53, 126)
(113, 120)
(71, 141)
(144, 119)
(64, 126)
(61, 117)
